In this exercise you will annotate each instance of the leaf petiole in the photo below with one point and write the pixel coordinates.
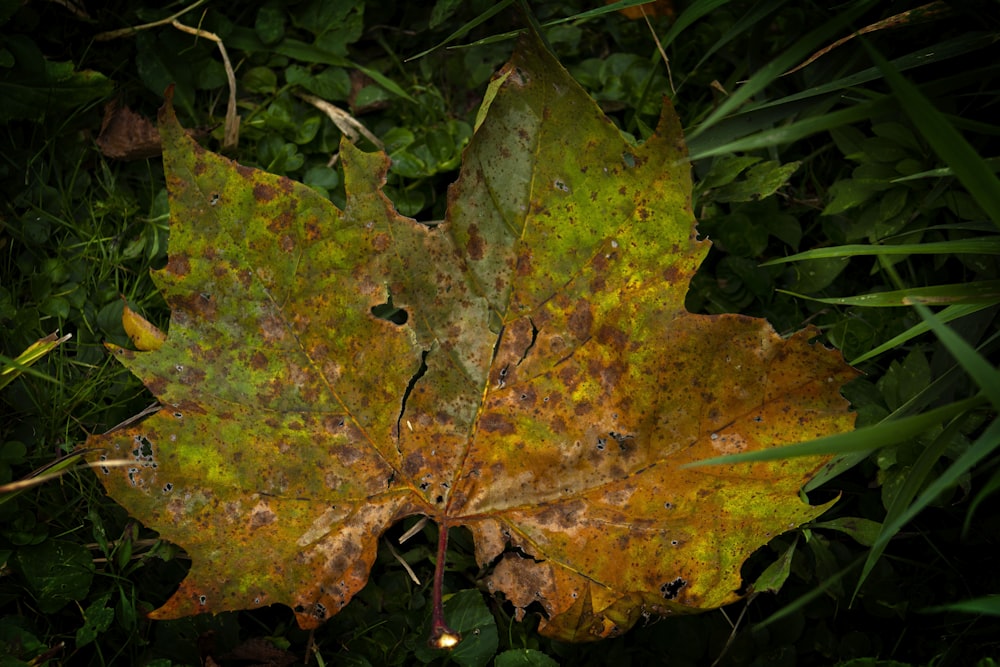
(442, 636)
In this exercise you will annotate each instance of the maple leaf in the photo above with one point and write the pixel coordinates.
(542, 385)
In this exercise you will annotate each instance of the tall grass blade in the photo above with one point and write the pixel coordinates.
(980, 292)
(702, 146)
(902, 502)
(988, 605)
(925, 56)
(798, 51)
(979, 369)
(988, 378)
(866, 439)
(952, 312)
(969, 167)
(754, 16)
(980, 245)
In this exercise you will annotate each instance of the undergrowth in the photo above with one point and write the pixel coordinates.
(856, 193)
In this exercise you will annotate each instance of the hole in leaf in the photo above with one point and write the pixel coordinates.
(622, 440)
(389, 312)
(672, 588)
(409, 386)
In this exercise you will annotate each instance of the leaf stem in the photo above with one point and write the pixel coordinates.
(442, 636)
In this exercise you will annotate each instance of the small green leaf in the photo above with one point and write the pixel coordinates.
(33, 87)
(773, 578)
(321, 177)
(270, 24)
(813, 275)
(97, 618)
(443, 9)
(848, 193)
(761, 181)
(864, 531)
(260, 80)
(56, 571)
(725, 169)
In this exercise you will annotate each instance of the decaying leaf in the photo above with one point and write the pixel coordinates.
(541, 385)
(126, 135)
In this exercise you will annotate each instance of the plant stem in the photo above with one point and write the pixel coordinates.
(441, 635)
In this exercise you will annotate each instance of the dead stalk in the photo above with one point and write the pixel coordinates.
(231, 137)
(345, 122)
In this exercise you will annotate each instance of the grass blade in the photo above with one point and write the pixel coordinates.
(794, 55)
(950, 313)
(980, 245)
(979, 369)
(925, 56)
(969, 167)
(754, 16)
(12, 368)
(866, 439)
(790, 132)
(464, 30)
(981, 292)
(902, 502)
(988, 605)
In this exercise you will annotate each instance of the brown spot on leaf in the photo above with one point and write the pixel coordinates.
(313, 229)
(259, 360)
(475, 246)
(581, 320)
(263, 192)
(413, 463)
(381, 242)
(492, 422)
(178, 264)
(202, 305)
(272, 328)
(281, 222)
(347, 456)
(261, 515)
(524, 264)
(611, 336)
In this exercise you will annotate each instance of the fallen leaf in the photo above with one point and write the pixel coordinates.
(539, 380)
(126, 135)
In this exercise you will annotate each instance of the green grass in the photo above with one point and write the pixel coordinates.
(857, 194)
